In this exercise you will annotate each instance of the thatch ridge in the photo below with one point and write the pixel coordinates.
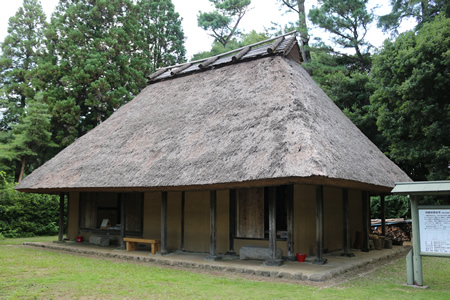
(255, 122)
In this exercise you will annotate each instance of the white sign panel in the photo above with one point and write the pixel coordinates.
(434, 226)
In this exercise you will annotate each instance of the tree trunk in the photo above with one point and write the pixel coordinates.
(22, 169)
(304, 37)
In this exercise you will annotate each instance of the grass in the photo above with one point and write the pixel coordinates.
(35, 273)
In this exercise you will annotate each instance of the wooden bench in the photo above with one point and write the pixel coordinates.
(132, 243)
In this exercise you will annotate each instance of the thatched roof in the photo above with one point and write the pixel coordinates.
(260, 121)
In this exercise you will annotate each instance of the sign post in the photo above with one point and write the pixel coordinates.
(417, 259)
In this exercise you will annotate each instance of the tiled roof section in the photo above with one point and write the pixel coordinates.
(281, 45)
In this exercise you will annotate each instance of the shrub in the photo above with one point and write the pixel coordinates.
(26, 215)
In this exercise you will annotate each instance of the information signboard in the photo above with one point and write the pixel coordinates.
(434, 224)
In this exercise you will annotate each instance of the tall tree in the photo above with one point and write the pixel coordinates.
(31, 137)
(102, 55)
(223, 22)
(411, 76)
(20, 52)
(298, 6)
(347, 21)
(420, 10)
(161, 35)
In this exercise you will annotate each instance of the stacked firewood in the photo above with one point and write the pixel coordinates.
(398, 233)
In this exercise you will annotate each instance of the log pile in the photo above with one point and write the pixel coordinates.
(398, 232)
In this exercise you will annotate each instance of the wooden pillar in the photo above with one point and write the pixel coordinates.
(232, 221)
(213, 226)
(272, 223)
(383, 216)
(273, 261)
(182, 220)
(365, 221)
(163, 223)
(123, 221)
(290, 222)
(319, 227)
(417, 259)
(61, 218)
(346, 227)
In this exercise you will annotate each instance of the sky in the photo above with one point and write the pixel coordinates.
(261, 15)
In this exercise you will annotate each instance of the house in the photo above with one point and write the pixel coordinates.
(215, 155)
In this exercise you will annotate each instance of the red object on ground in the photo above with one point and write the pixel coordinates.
(301, 257)
(79, 239)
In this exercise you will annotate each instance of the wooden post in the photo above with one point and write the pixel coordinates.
(61, 218)
(182, 220)
(272, 223)
(290, 222)
(232, 221)
(417, 259)
(163, 224)
(346, 227)
(213, 226)
(319, 227)
(273, 261)
(383, 216)
(123, 221)
(365, 221)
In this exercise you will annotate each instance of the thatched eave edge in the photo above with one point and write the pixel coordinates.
(313, 180)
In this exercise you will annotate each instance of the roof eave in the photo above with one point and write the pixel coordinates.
(312, 180)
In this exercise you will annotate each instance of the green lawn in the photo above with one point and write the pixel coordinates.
(35, 273)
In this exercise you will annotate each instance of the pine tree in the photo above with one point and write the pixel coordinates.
(161, 36)
(21, 51)
(30, 137)
(103, 50)
(346, 20)
(223, 22)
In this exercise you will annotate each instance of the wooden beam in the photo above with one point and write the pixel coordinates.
(180, 69)
(272, 198)
(346, 226)
(271, 49)
(365, 221)
(290, 222)
(272, 222)
(232, 221)
(319, 227)
(241, 54)
(163, 223)
(123, 221)
(212, 222)
(213, 226)
(61, 217)
(182, 220)
(210, 60)
(383, 216)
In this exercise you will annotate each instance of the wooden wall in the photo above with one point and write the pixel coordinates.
(73, 213)
(197, 220)
(304, 219)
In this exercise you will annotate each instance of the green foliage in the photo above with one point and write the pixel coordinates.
(29, 139)
(346, 20)
(395, 207)
(23, 215)
(421, 10)
(244, 40)
(223, 22)
(97, 71)
(160, 35)
(411, 97)
(21, 51)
